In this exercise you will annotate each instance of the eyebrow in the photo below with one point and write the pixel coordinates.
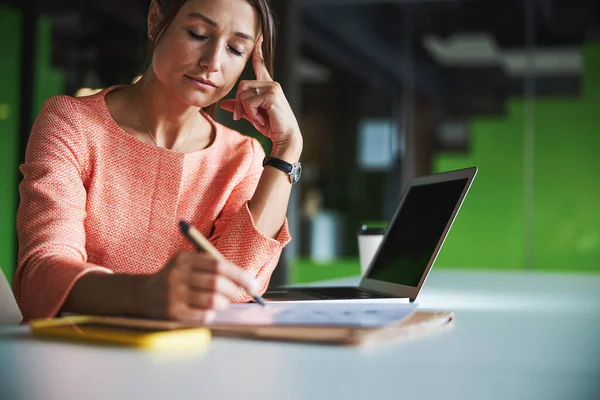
(204, 18)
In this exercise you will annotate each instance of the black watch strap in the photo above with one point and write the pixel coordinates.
(292, 170)
(279, 164)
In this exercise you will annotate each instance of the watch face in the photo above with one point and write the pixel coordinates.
(297, 172)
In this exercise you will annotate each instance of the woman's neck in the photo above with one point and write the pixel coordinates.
(170, 122)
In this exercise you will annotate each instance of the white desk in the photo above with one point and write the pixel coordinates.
(517, 336)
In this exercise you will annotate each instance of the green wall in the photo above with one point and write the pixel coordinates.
(489, 231)
(48, 82)
(10, 67)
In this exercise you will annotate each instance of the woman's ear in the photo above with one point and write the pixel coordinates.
(153, 19)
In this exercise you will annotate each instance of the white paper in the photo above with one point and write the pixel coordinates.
(330, 314)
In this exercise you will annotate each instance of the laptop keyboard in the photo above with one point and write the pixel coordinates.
(336, 293)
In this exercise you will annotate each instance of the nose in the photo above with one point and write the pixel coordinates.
(211, 56)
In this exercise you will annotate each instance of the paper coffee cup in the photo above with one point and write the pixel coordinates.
(369, 239)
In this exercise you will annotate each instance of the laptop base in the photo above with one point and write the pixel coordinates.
(323, 293)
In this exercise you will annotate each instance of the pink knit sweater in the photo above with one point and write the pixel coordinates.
(94, 198)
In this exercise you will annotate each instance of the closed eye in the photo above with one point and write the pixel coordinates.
(202, 38)
(196, 36)
(235, 51)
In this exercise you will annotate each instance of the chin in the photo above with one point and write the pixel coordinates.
(197, 99)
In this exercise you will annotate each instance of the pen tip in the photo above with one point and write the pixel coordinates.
(259, 300)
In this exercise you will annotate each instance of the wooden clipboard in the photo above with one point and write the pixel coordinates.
(417, 324)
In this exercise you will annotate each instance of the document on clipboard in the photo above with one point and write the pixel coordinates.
(353, 323)
(356, 315)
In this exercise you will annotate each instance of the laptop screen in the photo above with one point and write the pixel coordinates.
(416, 232)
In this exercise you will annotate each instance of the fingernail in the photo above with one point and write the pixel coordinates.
(235, 114)
(200, 316)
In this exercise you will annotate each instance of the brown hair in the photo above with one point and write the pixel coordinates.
(170, 8)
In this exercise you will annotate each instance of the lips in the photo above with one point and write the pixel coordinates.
(203, 81)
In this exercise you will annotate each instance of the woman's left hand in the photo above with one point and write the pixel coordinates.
(263, 103)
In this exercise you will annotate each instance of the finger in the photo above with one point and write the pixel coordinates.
(252, 103)
(207, 300)
(239, 108)
(228, 105)
(231, 106)
(213, 282)
(181, 263)
(196, 315)
(258, 62)
(203, 262)
(181, 311)
(237, 105)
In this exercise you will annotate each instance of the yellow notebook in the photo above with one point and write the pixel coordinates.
(97, 330)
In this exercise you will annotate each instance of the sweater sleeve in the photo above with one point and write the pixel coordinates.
(51, 213)
(235, 234)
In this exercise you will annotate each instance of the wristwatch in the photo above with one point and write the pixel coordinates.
(293, 170)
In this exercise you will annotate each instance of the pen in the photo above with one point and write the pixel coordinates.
(202, 244)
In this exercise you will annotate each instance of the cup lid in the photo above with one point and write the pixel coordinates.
(371, 230)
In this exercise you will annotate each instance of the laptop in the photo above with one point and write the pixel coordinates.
(409, 247)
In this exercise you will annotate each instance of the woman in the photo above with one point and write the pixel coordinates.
(107, 177)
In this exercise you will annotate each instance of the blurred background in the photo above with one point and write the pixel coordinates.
(385, 90)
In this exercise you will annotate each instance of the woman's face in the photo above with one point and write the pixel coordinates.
(203, 52)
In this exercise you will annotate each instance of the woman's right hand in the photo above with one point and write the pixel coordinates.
(191, 287)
